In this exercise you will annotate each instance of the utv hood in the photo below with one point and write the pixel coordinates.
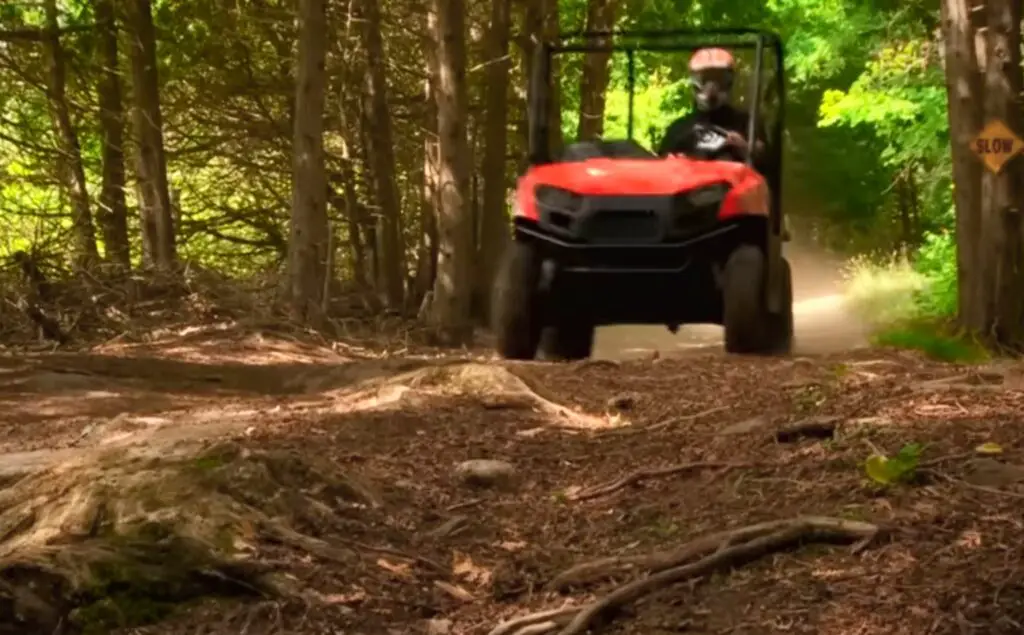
(633, 177)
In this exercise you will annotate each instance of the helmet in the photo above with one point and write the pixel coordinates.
(711, 73)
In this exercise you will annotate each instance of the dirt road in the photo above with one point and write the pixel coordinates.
(824, 324)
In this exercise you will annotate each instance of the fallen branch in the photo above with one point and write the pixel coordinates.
(735, 548)
(649, 473)
(812, 427)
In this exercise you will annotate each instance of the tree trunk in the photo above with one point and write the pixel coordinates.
(533, 32)
(1000, 242)
(151, 162)
(113, 211)
(552, 26)
(453, 288)
(426, 272)
(307, 247)
(594, 82)
(494, 223)
(72, 171)
(383, 156)
(964, 86)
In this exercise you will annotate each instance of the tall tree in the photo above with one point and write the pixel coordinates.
(72, 170)
(382, 154)
(1000, 241)
(426, 261)
(307, 247)
(594, 83)
(964, 88)
(494, 224)
(112, 212)
(452, 302)
(151, 162)
(552, 26)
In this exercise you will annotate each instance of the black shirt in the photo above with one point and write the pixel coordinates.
(680, 136)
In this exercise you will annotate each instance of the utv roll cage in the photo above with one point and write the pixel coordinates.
(685, 40)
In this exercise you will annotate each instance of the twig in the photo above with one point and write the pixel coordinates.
(671, 421)
(945, 459)
(644, 474)
(978, 488)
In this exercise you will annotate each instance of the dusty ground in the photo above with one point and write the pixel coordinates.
(256, 484)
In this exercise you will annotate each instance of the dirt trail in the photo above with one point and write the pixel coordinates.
(823, 322)
(264, 486)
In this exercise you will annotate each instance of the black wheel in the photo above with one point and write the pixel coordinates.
(745, 318)
(515, 307)
(568, 340)
(780, 325)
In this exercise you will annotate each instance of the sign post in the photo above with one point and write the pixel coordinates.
(996, 145)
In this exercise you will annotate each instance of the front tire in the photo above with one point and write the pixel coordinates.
(750, 329)
(745, 317)
(568, 340)
(515, 308)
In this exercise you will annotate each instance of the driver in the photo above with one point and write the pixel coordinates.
(712, 71)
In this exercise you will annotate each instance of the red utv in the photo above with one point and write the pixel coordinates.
(610, 233)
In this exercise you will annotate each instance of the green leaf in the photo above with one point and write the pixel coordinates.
(878, 469)
(989, 448)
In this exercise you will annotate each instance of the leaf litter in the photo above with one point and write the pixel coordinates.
(703, 494)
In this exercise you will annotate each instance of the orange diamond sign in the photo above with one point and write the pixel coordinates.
(996, 144)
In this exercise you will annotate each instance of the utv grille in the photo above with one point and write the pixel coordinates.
(623, 227)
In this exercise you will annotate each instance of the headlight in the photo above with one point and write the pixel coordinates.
(707, 196)
(558, 199)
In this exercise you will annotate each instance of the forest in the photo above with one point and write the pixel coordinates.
(361, 156)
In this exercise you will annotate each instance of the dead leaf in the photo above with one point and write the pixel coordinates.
(465, 569)
(353, 597)
(454, 591)
(401, 569)
(512, 545)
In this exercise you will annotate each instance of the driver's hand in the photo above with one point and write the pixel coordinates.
(735, 139)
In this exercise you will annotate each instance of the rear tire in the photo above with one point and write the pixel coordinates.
(780, 326)
(515, 304)
(568, 340)
(745, 318)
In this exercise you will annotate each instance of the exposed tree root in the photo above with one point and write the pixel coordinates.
(699, 558)
(496, 387)
(120, 540)
(649, 473)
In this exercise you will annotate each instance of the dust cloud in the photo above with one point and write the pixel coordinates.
(823, 322)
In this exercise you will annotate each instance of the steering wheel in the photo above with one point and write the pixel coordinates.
(711, 143)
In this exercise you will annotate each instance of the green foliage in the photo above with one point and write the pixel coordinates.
(936, 260)
(901, 468)
(884, 293)
(866, 109)
(935, 339)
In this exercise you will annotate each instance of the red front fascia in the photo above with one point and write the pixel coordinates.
(646, 177)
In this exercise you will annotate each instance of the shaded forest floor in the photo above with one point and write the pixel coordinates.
(256, 484)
